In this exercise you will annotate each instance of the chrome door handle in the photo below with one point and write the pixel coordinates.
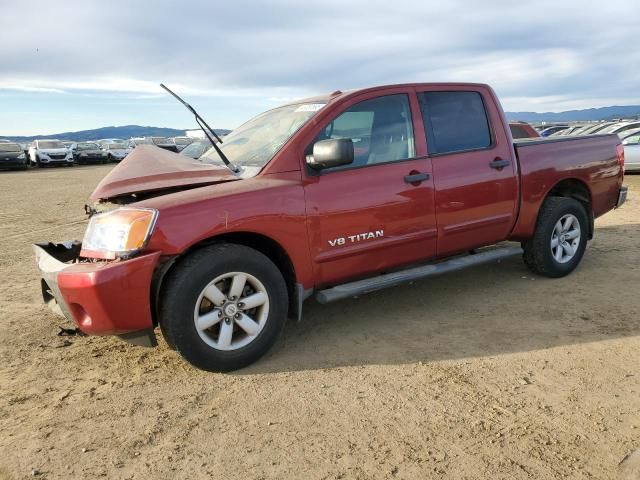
(499, 163)
(416, 177)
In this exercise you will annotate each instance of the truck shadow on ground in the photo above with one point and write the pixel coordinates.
(484, 311)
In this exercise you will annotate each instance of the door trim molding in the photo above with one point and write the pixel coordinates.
(473, 224)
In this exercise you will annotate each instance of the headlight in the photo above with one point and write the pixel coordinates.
(21, 156)
(119, 233)
(83, 154)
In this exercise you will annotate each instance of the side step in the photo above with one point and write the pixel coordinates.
(368, 285)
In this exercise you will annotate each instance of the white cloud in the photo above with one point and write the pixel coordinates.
(537, 55)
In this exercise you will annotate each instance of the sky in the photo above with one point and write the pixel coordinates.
(74, 65)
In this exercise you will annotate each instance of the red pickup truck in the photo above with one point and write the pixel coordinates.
(333, 196)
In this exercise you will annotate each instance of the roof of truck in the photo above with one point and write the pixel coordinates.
(329, 97)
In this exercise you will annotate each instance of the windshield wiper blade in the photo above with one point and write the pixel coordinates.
(202, 124)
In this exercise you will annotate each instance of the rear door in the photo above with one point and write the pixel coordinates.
(473, 167)
(377, 213)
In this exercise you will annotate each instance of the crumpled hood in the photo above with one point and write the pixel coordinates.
(148, 168)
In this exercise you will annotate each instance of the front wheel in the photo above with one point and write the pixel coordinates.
(560, 238)
(223, 307)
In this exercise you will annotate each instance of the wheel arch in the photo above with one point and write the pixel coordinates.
(578, 190)
(260, 242)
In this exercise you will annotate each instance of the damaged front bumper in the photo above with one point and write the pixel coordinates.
(101, 298)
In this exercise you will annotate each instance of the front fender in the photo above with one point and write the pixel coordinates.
(272, 206)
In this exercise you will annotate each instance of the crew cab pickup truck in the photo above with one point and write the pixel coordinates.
(333, 197)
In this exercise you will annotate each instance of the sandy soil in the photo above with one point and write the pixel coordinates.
(489, 373)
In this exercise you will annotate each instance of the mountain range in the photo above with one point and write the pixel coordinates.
(124, 132)
(128, 131)
(586, 115)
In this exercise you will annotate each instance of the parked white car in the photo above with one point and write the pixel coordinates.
(629, 133)
(621, 127)
(49, 152)
(632, 153)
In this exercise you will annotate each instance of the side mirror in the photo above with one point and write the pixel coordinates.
(331, 153)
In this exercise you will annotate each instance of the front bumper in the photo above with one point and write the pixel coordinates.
(101, 298)
(90, 158)
(55, 161)
(13, 162)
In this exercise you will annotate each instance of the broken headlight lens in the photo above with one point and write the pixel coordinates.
(118, 233)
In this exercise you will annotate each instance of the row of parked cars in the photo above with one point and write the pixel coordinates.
(627, 130)
(67, 153)
(622, 128)
(50, 152)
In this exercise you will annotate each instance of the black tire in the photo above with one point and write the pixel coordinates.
(538, 254)
(181, 292)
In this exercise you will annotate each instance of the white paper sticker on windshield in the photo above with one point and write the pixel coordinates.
(309, 107)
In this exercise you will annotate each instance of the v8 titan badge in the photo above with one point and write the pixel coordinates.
(341, 241)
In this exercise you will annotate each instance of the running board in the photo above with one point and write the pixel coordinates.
(369, 285)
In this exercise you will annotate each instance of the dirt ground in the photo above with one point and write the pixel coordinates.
(488, 373)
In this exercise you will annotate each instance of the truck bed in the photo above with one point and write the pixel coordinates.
(590, 160)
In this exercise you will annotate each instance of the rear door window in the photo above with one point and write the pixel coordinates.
(455, 121)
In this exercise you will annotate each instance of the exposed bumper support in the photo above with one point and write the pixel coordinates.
(51, 259)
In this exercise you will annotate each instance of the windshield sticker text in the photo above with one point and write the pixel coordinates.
(309, 107)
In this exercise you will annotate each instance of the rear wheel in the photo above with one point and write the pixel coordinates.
(223, 307)
(560, 239)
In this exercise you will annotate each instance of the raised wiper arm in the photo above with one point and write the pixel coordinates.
(202, 124)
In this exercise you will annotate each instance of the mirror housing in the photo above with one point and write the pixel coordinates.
(331, 153)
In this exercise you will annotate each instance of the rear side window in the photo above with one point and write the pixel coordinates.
(454, 121)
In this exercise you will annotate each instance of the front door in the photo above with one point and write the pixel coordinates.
(378, 212)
